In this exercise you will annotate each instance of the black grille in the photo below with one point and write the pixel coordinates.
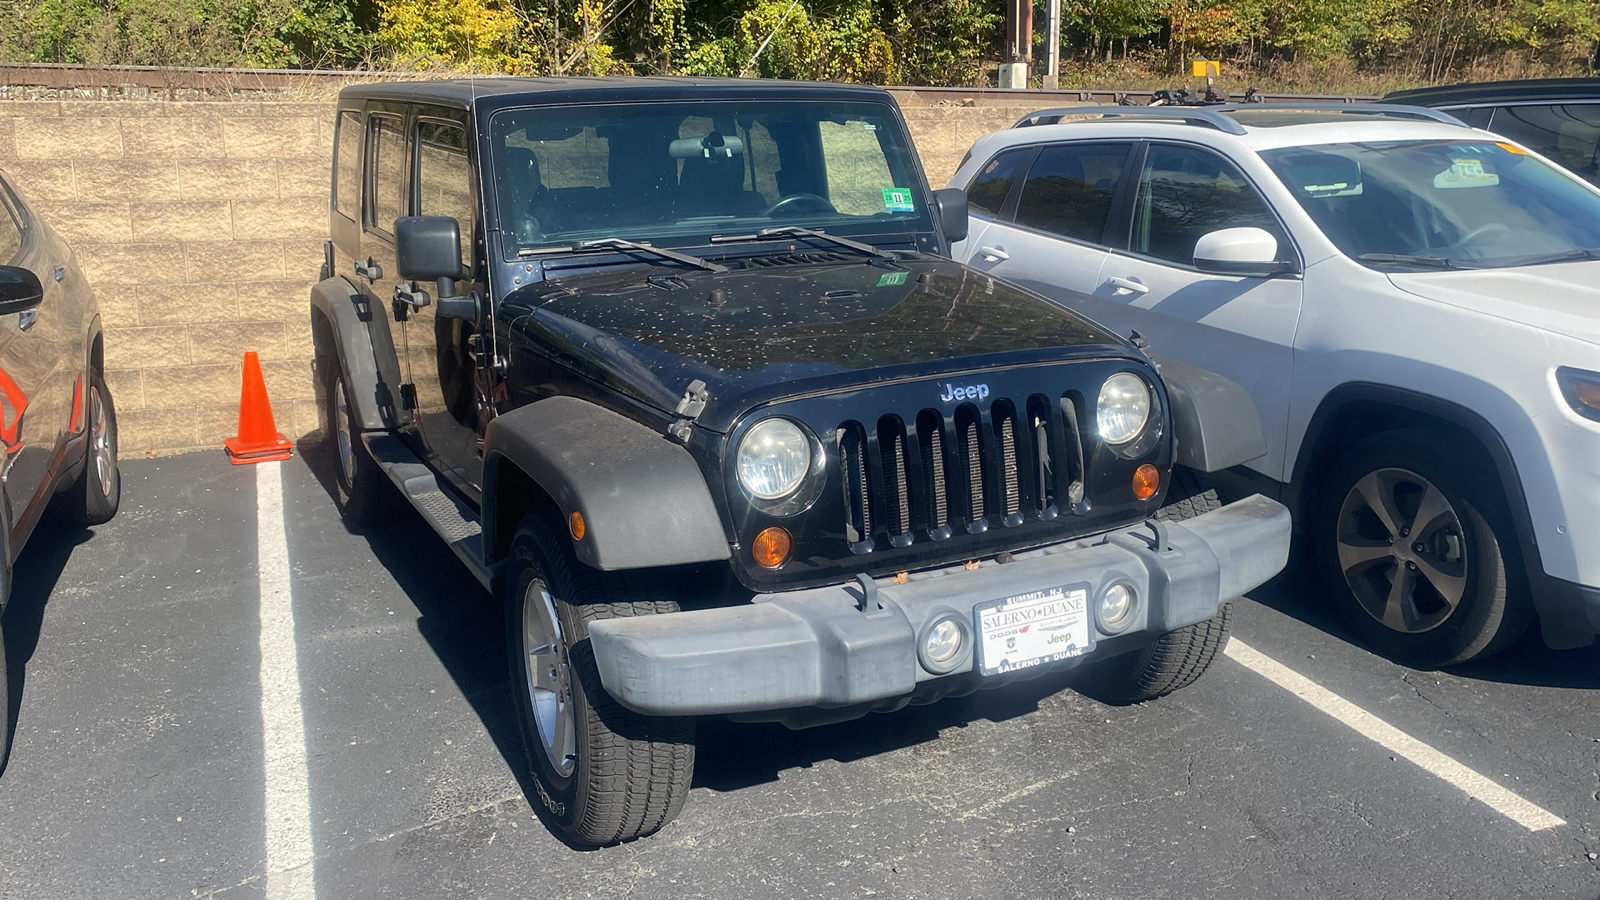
(966, 470)
(800, 258)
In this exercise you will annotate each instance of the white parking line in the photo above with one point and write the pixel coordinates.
(288, 803)
(1503, 801)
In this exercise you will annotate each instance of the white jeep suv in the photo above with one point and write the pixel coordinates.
(1414, 306)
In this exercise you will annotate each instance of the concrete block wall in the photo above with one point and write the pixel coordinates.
(200, 226)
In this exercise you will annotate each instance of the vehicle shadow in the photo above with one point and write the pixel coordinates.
(32, 582)
(465, 627)
(1298, 592)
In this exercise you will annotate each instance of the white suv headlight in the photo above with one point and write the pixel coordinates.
(1123, 408)
(773, 459)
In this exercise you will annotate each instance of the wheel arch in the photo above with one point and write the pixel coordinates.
(1354, 411)
(644, 500)
(347, 331)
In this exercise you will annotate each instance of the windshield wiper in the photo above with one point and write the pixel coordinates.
(621, 244)
(1439, 262)
(1567, 256)
(783, 231)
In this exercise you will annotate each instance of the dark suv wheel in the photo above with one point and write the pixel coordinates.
(1411, 541)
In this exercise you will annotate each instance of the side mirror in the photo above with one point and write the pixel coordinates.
(19, 290)
(1239, 251)
(951, 206)
(428, 248)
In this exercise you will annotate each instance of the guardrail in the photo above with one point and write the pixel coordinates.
(64, 76)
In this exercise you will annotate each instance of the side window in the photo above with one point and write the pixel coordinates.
(1566, 134)
(1186, 192)
(988, 191)
(444, 179)
(1069, 189)
(1476, 116)
(10, 234)
(386, 187)
(347, 178)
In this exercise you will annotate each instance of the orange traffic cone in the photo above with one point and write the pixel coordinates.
(258, 440)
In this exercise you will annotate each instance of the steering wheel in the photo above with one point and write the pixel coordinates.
(800, 203)
(1499, 228)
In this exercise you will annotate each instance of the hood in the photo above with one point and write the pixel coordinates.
(1558, 297)
(759, 334)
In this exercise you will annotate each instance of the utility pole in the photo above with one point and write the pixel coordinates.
(1019, 44)
(1052, 53)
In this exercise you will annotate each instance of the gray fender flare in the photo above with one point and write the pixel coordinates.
(643, 498)
(365, 349)
(1215, 422)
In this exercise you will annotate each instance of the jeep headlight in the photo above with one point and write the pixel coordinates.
(1123, 408)
(773, 459)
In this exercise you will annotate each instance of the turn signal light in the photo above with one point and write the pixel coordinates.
(1146, 481)
(576, 523)
(772, 547)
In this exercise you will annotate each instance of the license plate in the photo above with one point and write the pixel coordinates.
(1033, 629)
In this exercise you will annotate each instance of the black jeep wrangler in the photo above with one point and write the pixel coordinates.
(677, 369)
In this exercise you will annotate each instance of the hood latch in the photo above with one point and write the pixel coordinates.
(689, 408)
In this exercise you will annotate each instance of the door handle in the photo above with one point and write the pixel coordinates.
(368, 269)
(995, 253)
(1130, 285)
(26, 318)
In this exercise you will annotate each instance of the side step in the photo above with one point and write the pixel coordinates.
(453, 520)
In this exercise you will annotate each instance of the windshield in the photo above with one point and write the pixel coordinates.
(1472, 204)
(681, 172)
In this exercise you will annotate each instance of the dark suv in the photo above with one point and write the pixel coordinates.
(1558, 117)
(679, 371)
(58, 427)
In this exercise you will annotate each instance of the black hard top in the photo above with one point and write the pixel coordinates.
(499, 91)
(1490, 92)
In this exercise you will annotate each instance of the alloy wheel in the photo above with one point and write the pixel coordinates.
(547, 678)
(1402, 550)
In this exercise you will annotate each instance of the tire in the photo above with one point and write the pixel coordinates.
(1449, 595)
(93, 496)
(1176, 660)
(1190, 494)
(364, 492)
(5, 700)
(604, 774)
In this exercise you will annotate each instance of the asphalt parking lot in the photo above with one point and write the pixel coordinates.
(138, 769)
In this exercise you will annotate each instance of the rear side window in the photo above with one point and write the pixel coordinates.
(1187, 192)
(347, 171)
(444, 178)
(1565, 133)
(1069, 189)
(988, 192)
(388, 172)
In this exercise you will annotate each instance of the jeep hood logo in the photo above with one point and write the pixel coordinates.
(964, 392)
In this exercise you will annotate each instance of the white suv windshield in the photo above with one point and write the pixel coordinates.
(1468, 204)
(680, 172)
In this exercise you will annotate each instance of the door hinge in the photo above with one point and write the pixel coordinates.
(689, 408)
(408, 396)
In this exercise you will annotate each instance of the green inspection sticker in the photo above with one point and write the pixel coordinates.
(898, 199)
(891, 279)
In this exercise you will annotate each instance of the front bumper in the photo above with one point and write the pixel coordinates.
(819, 648)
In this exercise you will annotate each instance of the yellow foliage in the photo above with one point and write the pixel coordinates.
(478, 34)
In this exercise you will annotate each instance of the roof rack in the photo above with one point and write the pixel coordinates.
(1215, 115)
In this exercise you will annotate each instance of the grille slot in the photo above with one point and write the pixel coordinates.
(944, 472)
(802, 258)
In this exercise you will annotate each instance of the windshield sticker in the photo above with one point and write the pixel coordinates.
(1465, 173)
(891, 279)
(898, 199)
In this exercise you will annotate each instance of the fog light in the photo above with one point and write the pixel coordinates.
(1116, 608)
(944, 644)
(772, 547)
(1146, 481)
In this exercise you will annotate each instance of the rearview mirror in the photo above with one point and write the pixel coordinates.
(951, 206)
(19, 289)
(1239, 251)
